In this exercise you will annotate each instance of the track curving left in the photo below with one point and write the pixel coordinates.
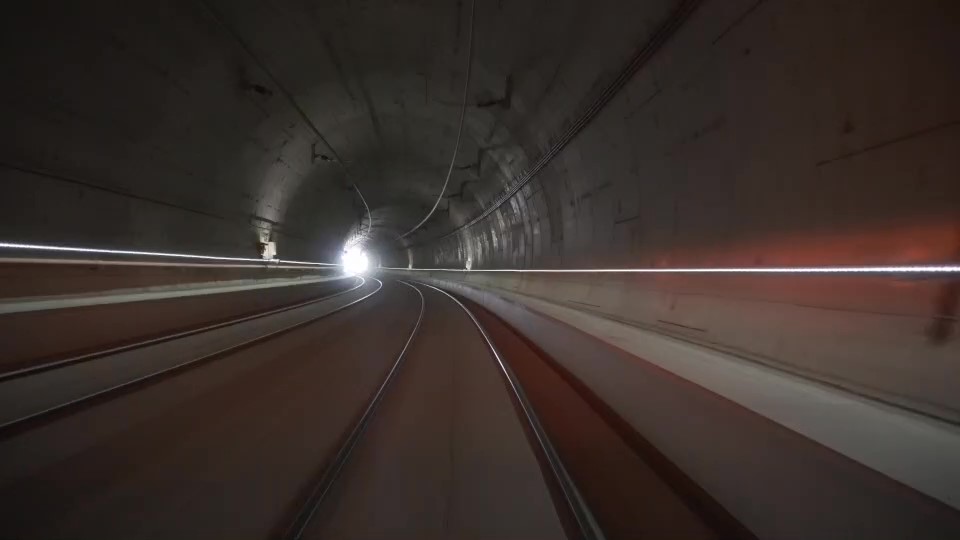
(222, 450)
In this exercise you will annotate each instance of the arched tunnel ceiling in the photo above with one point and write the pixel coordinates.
(739, 133)
(237, 110)
(212, 124)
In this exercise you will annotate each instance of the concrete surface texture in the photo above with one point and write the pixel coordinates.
(222, 450)
(447, 455)
(597, 134)
(22, 278)
(662, 133)
(91, 330)
(787, 457)
(161, 292)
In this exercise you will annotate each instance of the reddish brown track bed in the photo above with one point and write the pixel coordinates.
(633, 491)
(38, 337)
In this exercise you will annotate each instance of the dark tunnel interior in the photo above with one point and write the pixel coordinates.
(631, 269)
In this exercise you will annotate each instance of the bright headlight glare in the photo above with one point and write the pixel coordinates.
(354, 261)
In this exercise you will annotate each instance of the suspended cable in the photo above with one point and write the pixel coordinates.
(360, 232)
(463, 113)
(640, 58)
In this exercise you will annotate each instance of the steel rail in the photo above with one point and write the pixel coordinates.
(14, 426)
(299, 525)
(56, 364)
(588, 527)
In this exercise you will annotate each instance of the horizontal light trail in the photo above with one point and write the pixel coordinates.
(895, 269)
(285, 261)
(130, 262)
(939, 269)
(74, 249)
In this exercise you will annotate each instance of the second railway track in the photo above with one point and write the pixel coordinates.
(38, 367)
(10, 426)
(449, 428)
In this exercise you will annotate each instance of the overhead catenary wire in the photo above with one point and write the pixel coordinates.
(463, 113)
(361, 234)
(642, 55)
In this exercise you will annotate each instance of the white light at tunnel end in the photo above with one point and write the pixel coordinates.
(354, 261)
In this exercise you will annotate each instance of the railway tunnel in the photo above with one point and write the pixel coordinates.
(480, 269)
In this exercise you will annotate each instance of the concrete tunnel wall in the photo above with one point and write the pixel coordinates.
(790, 134)
(770, 132)
(205, 125)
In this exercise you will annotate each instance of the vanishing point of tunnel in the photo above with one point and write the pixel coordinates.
(480, 269)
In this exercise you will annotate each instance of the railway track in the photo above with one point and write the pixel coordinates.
(430, 427)
(575, 507)
(41, 366)
(19, 423)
